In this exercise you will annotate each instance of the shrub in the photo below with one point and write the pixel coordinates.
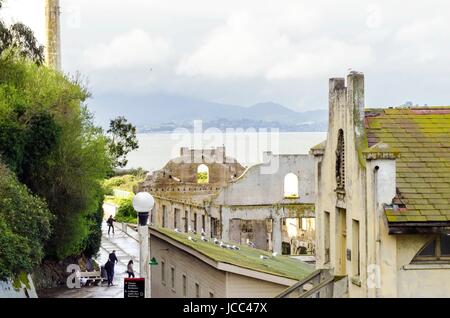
(125, 212)
(24, 226)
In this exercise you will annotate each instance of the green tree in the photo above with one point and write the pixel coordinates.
(54, 147)
(20, 37)
(122, 140)
(24, 226)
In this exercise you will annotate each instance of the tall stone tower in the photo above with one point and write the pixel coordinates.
(53, 34)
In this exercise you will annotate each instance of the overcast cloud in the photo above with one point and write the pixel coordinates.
(244, 52)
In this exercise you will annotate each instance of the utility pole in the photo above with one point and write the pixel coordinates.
(53, 34)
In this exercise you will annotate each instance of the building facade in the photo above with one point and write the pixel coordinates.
(383, 196)
(271, 204)
(183, 189)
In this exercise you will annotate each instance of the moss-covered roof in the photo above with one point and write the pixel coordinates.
(246, 257)
(421, 136)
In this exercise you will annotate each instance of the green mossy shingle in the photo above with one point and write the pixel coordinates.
(422, 137)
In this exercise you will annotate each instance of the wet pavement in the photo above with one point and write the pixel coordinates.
(126, 245)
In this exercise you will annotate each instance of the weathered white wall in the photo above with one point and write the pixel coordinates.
(259, 194)
(344, 113)
(262, 185)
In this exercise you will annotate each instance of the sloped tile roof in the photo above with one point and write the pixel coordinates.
(422, 137)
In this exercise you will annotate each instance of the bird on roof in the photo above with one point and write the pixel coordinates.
(192, 239)
(263, 257)
(204, 239)
(177, 230)
(251, 244)
(203, 232)
(275, 254)
(216, 241)
(234, 247)
(222, 245)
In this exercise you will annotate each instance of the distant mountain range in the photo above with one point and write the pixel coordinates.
(160, 112)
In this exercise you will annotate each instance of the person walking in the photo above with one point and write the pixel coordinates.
(110, 223)
(109, 268)
(130, 270)
(112, 258)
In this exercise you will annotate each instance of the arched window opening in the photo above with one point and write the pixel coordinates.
(340, 161)
(203, 174)
(435, 251)
(291, 186)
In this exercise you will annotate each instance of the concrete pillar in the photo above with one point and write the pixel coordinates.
(276, 234)
(225, 224)
(53, 34)
(144, 258)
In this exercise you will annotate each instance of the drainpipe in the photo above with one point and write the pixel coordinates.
(376, 225)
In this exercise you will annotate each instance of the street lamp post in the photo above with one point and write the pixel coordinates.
(143, 203)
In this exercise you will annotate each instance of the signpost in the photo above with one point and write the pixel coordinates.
(134, 288)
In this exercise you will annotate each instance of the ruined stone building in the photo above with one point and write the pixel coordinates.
(271, 204)
(184, 186)
(383, 196)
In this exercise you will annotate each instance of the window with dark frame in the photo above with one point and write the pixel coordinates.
(327, 235)
(172, 278)
(184, 285)
(436, 250)
(164, 216)
(186, 221)
(176, 215)
(197, 290)
(194, 222)
(163, 272)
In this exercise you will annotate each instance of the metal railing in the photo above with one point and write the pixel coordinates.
(319, 284)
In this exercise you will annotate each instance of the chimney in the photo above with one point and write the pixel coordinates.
(355, 98)
(53, 34)
(336, 97)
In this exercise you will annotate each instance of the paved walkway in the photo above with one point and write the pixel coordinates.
(127, 248)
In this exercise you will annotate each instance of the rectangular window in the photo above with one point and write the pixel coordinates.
(172, 278)
(356, 264)
(186, 221)
(194, 222)
(163, 272)
(214, 227)
(184, 286)
(197, 290)
(341, 244)
(176, 215)
(152, 215)
(164, 216)
(327, 234)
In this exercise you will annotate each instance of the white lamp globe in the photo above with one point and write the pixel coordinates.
(143, 202)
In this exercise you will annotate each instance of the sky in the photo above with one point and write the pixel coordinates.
(249, 51)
